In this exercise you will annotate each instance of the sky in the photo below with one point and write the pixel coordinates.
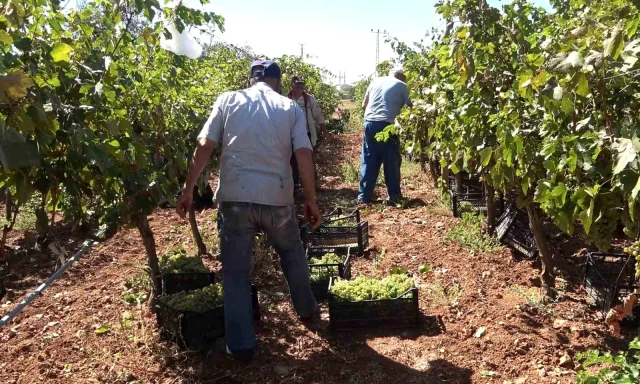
(336, 33)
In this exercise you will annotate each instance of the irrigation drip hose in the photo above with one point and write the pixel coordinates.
(85, 247)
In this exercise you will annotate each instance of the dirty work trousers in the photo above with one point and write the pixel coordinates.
(239, 223)
(374, 154)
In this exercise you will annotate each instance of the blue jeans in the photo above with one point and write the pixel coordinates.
(374, 154)
(239, 222)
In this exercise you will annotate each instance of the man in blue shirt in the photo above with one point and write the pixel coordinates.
(382, 102)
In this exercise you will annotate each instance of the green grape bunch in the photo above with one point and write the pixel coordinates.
(179, 262)
(198, 301)
(634, 250)
(323, 274)
(366, 288)
(341, 221)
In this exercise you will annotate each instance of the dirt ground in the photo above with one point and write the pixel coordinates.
(81, 330)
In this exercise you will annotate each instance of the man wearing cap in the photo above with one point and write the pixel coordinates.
(382, 102)
(258, 130)
(313, 117)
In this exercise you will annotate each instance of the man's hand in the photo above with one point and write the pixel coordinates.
(185, 200)
(312, 214)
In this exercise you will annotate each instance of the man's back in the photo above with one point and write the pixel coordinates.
(258, 129)
(387, 95)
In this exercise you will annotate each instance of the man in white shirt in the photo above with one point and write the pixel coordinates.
(313, 118)
(258, 129)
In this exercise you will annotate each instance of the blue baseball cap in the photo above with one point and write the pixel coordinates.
(265, 68)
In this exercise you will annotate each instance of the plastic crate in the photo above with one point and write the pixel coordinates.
(320, 288)
(342, 216)
(513, 230)
(402, 312)
(469, 184)
(198, 331)
(178, 282)
(609, 278)
(355, 237)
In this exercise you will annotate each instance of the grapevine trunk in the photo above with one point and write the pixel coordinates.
(546, 273)
(152, 257)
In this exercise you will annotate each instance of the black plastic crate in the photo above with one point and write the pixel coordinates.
(402, 312)
(609, 278)
(198, 331)
(344, 237)
(342, 217)
(513, 230)
(178, 282)
(320, 288)
(470, 184)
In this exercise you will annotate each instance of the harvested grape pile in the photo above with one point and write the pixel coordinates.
(366, 288)
(179, 262)
(198, 300)
(329, 271)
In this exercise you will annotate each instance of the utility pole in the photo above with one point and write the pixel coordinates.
(302, 51)
(377, 46)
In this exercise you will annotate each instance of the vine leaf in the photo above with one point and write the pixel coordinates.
(636, 189)
(14, 85)
(626, 154)
(60, 52)
(564, 63)
(485, 156)
(594, 58)
(582, 84)
(613, 45)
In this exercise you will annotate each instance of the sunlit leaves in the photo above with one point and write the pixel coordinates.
(14, 85)
(613, 44)
(61, 51)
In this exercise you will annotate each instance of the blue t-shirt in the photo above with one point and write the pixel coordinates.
(387, 95)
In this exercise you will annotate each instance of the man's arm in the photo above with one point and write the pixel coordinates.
(210, 135)
(307, 173)
(407, 100)
(200, 158)
(316, 112)
(303, 152)
(365, 102)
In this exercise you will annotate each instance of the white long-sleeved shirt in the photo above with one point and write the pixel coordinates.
(314, 119)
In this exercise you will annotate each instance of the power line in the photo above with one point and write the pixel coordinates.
(377, 46)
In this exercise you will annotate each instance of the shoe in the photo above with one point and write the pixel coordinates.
(243, 355)
(312, 321)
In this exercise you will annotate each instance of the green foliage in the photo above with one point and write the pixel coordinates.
(179, 262)
(94, 110)
(199, 300)
(365, 288)
(541, 103)
(326, 94)
(468, 233)
(137, 289)
(620, 369)
(331, 270)
(350, 172)
(360, 88)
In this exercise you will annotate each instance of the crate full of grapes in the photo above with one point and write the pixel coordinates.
(324, 264)
(365, 302)
(195, 319)
(180, 272)
(341, 229)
